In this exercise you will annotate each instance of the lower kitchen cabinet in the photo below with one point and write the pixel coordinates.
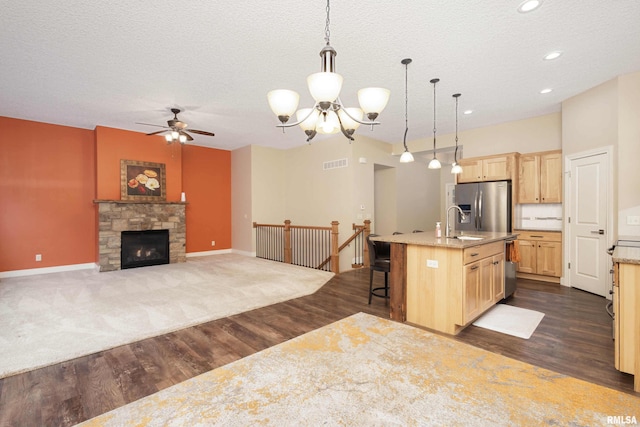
(626, 300)
(540, 255)
(483, 285)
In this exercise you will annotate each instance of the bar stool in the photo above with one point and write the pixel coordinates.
(379, 260)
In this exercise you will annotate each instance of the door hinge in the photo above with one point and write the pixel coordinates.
(569, 266)
(569, 219)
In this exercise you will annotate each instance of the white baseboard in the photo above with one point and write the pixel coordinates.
(207, 253)
(245, 253)
(46, 270)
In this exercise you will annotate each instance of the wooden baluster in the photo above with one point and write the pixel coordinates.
(335, 255)
(287, 241)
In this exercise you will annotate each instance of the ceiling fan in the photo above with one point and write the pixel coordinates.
(176, 129)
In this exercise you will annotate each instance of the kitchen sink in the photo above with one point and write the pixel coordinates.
(468, 238)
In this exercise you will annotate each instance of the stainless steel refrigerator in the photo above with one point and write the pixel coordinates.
(486, 206)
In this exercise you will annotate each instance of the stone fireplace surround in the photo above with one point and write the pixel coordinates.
(115, 216)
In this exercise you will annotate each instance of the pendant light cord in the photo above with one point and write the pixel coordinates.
(434, 81)
(406, 103)
(455, 154)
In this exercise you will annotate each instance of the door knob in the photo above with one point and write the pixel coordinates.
(597, 232)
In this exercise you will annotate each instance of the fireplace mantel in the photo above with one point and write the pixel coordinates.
(116, 216)
(140, 202)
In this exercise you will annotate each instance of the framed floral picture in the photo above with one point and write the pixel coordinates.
(143, 181)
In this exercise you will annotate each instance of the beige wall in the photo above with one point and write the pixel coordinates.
(590, 119)
(241, 195)
(540, 133)
(628, 175)
(609, 115)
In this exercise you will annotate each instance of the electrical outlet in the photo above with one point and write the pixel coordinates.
(633, 220)
(432, 263)
(213, 243)
(38, 257)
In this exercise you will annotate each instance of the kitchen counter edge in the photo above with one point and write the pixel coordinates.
(429, 239)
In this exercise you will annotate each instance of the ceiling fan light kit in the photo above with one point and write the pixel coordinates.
(175, 131)
(328, 115)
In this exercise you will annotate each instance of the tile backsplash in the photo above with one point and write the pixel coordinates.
(539, 216)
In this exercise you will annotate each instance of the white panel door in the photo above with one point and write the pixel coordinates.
(590, 262)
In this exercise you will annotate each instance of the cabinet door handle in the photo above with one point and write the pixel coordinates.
(538, 237)
(496, 262)
(475, 267)
(475, 254)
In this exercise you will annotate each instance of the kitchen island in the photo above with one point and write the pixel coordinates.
(444, 284)
(626, 300)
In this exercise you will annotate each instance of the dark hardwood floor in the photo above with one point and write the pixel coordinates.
(574, 338)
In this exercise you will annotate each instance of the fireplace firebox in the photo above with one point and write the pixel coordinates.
(144, 248)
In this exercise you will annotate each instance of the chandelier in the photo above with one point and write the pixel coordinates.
(328, 115)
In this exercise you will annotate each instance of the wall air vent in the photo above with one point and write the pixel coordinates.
(334, 164)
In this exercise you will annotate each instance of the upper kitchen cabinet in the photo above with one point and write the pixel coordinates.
(540, 177)
(489, 168)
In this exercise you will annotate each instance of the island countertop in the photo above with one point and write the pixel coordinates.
(428, 238)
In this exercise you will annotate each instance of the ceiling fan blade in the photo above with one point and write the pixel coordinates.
(202, 132)
(149, 124)
(155, 133)
(189, 137)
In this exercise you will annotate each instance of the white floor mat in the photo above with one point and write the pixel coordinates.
(510, 320)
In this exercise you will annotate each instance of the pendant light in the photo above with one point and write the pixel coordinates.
(434, 163)
(455, 167)
(406, 157)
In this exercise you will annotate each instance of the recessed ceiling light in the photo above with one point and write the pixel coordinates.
(553, 55)
(468, 112)
(547, 90)
(529, 5)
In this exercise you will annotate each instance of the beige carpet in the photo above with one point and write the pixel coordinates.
(50, 318)
(368, 371)
(510, 320)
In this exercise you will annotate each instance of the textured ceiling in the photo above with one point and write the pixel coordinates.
(119, 62)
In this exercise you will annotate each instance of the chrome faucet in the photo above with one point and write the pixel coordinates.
(447, 231)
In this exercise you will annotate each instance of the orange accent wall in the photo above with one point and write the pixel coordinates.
(112, 145)
(206, 177)
(47, 184)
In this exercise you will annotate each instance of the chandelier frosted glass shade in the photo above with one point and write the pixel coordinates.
(324, 86)
(373, 99)
(328, 123)
(308, 123)
(283, 102)
(349, 120)
(456, 168)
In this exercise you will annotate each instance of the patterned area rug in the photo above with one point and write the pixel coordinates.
(364, 370)
(51, 318)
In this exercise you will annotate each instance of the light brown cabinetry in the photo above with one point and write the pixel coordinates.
(540, 177)
(540, 254)
(447, 287)
(626, 299)
(483, 285)
(490, 168)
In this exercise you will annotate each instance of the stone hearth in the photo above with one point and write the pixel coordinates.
(115, 216)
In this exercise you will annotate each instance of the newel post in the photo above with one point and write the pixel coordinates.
(365, 251)
(335, 255)
(287, 241)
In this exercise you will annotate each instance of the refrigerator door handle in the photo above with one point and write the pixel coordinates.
(480, 211)
(475, 210)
